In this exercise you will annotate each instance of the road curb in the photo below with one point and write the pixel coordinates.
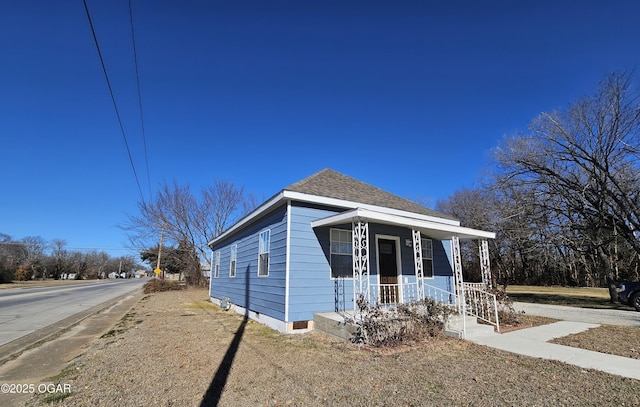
(15, 348)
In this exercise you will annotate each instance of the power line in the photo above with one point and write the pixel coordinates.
(135, 61)
(113, 99)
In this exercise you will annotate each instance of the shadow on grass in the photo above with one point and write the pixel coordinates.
(212, 396)
(219, 381)
(571, 301)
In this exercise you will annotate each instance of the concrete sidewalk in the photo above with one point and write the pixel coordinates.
(43, 354)
(533, 342)
(590, 315)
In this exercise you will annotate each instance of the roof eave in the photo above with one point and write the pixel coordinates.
(299, 196)
(438, 230)
(285, 195)
(263, 208)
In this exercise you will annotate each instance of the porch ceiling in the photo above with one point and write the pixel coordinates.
(440, 231)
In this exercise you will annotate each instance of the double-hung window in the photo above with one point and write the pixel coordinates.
(216, 265)
(232, 262)
(263, 253)
(427, 258)
(341, 249)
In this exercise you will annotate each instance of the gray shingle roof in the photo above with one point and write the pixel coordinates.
(332, 184)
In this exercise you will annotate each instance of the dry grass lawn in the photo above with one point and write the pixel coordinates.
(611, 339)
(176, 349)
(583, 297)
(593, 292)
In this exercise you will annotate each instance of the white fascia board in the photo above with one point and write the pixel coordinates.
(298, 196)
(442, 231)
(321, 200)
(287, 263)
(343, 217)
(250, 217)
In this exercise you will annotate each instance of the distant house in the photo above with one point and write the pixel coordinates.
(206, 269)
(321, 243)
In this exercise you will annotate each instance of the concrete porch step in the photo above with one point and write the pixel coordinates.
(454, 328)
(332, 323)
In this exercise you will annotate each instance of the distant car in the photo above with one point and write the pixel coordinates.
(630, 294)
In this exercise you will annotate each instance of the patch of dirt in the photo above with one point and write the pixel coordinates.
(180, 350)
(615, 340)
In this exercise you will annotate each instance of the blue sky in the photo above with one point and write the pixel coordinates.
(408, 96)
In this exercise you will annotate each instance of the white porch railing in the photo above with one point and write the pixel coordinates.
(389, 294)
(481, 304)
(439, 295)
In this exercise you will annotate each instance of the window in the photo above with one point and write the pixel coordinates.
(263, 253)
(232, 263)
(216, 266)
(427, 258)
(341, 253)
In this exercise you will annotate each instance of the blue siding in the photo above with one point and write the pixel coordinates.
(310, 286)
(312, 290)
(442, 258)
(441, 264)
(265, 295)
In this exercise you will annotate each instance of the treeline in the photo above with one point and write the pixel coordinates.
(35, 258)
(564, 199)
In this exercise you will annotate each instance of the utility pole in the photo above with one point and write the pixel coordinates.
(157, 270)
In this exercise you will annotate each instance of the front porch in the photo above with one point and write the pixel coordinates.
(394, 294)
(372, 285)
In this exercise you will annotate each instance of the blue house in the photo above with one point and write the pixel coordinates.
(323, 242)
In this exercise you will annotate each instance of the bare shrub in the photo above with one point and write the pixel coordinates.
(405, 323)
(507, 315)
(24, 273)
(159, 285)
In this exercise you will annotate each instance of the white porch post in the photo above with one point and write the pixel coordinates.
(485, 266)
(360, 261)
(457, 275)
(417, 259)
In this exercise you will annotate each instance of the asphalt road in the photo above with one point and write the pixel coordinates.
(23, 311)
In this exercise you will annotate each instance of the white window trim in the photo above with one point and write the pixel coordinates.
(233, 260)
(331, 277)
(268, 252)
(216, 266)
(433, 274)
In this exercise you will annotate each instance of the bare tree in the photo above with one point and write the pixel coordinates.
(35, 247)
(250, 202)
(187, 222)
(584, 166)
(473, 208)
(59, 259)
